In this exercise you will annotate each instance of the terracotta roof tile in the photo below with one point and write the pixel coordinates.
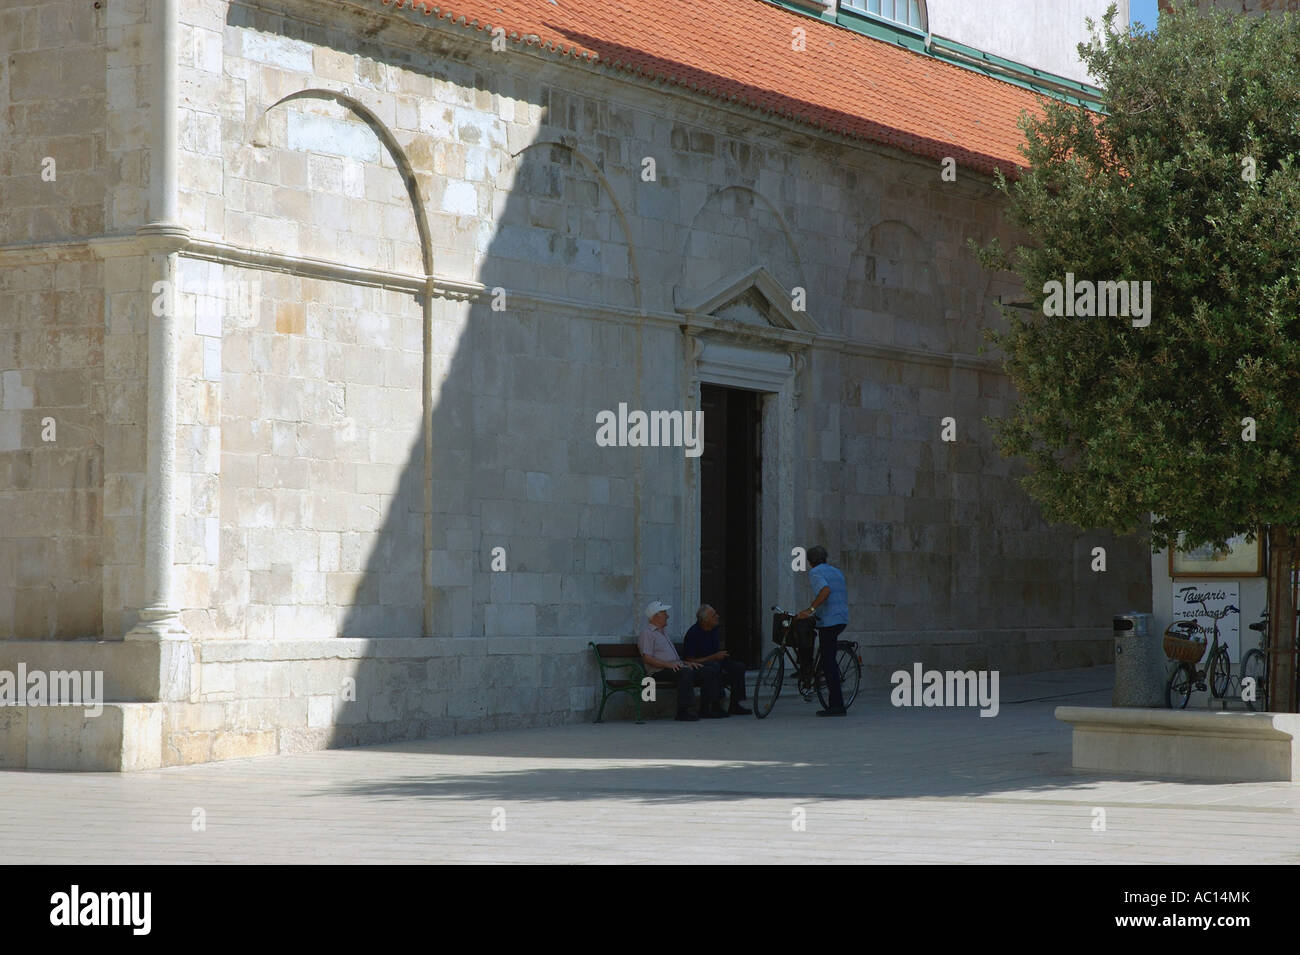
(740, 51)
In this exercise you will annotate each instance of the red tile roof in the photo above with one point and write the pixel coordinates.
(740, 51)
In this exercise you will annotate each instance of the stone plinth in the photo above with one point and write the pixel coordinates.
(125, 737)
(1233, 747)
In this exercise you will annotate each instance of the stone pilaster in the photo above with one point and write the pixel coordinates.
(159, 619)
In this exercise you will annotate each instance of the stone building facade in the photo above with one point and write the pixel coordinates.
(307, 312)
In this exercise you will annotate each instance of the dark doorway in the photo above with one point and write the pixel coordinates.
(730, 485)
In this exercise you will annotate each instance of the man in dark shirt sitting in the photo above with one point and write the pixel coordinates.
(703, 645)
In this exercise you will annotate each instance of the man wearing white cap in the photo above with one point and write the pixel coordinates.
(663, 663)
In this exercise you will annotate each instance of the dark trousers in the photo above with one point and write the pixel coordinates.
(687, 678)
(731, 674)
(830, 638)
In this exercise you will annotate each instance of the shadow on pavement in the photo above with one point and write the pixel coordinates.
(878, 752)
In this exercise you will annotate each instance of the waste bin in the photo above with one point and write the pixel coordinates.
(1139, 662)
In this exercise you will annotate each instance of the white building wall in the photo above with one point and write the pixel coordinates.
(1043, 34)
(1252, 600)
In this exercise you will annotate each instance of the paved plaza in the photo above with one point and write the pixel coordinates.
(882, 785)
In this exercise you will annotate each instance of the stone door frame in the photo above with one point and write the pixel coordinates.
(769, 359)
(773, 374)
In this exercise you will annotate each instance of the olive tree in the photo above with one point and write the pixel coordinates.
(1177, 411)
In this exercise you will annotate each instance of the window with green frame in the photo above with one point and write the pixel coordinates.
(908, 12)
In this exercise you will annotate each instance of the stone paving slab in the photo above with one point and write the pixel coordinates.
(881, 785)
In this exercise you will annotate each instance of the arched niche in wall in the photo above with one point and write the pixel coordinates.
(559, 230)
(893, 295)
(323, 177)
(736, 231)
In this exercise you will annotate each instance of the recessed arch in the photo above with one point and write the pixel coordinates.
(401, 161)
(700, 272)
(603, 185)
(901, 257)
(893, 293)
(345, 450)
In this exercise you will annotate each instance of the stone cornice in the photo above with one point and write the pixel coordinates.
(458, 289)
(226, 253)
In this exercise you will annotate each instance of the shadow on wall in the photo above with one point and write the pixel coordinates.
(515, 475)
(533, 528)
(516, 478)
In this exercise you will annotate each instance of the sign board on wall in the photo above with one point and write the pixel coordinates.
(1205, 601)
(1239, 560)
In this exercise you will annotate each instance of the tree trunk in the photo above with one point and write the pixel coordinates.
(1283, 556)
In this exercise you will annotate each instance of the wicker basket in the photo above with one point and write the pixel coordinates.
(789, 631)
(1182, 650)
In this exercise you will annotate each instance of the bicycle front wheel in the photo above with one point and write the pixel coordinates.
(1254, 666)
(1179, 688)
(771, 673)
(1220, 674)
(850, 677)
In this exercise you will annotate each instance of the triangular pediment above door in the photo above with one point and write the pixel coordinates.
(753, 297)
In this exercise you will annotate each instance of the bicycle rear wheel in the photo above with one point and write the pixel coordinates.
(1254, 665)
(850, 676)
(1220, 673)
(1179, 688)
(767, 687)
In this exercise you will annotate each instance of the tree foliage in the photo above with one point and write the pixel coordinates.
(1117, 422)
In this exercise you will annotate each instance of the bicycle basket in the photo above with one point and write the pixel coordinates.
(1183, 650)
(790, 631)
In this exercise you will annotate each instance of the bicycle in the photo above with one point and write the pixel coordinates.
(1254, 665)
(810, 679)
(1178, 690)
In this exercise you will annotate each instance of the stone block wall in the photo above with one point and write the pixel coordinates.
(52, 450)
(75, 91)
(263, 698)
(74, 144)
(524, 474)
(299, 414)
(53, 139)
(55, 126)
(537, 189)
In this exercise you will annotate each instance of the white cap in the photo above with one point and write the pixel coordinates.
(653, 607)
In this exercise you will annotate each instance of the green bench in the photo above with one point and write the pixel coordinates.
(624, 658)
